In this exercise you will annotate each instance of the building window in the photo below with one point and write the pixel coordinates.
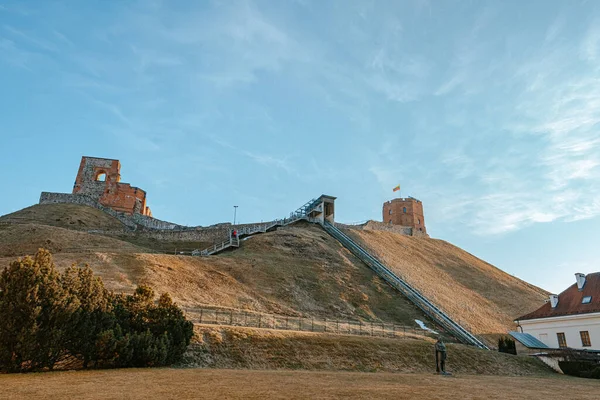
(586, 300)
(585, 338)
(419, 221)
(562, 341)
(101, 177)
(404, 210)
(390, 212)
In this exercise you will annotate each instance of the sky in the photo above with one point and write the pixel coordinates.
(487, 111)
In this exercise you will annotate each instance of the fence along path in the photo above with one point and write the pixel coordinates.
(304, 324)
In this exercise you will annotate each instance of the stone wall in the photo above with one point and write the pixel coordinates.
(133, 221)
(144, 226)
(208, 235)
(380, 226)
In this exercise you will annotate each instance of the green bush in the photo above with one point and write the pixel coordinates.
(49, 317)
(507, 345)
(583, 369)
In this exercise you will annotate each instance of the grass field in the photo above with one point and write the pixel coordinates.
(244, 384)
(248, 348)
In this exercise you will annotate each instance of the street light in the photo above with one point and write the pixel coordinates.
(234, 213)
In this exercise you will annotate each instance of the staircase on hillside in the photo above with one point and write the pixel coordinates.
(412, 294)
(317, 211)
(246, 231)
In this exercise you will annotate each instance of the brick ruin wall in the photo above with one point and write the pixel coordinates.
(109, 192)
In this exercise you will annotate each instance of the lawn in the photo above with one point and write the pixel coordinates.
(254, 384)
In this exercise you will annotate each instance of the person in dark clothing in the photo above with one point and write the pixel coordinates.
(440, 357)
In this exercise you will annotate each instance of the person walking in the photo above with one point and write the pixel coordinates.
(440, 357)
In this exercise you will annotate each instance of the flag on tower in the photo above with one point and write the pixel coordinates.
(397, 188)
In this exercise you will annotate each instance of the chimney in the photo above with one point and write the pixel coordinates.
(580, 278)
(553, 300)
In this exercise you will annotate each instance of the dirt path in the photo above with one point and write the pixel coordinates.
(245, 384)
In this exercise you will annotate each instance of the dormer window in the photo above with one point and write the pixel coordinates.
(586, 300)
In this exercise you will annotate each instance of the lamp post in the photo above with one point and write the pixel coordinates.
(234, 213)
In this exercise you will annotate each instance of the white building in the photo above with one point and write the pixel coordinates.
(570, 319)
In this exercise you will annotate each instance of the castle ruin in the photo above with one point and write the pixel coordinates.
(100, 179)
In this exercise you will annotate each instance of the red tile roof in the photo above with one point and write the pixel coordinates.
(569, 301)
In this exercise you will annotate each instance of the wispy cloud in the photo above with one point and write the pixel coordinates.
(590, 47)
(13, 55)
(270, 161)
(31, 39)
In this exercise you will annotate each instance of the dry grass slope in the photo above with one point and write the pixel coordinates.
(21, 239)
(297, 271)
(479, 295)
(70, 216)
(217, 347)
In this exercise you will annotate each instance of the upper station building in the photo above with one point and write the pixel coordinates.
(405, 212)
(100, 179)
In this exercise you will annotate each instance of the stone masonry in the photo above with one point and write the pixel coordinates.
(100, 179)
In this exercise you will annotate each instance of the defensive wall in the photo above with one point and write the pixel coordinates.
(144, 226)
(380, 226)
(132, 221)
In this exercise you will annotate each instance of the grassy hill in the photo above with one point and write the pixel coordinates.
(479, 295)
(297, 270)
(70, 216)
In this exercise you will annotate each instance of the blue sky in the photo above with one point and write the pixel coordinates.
(487, 111)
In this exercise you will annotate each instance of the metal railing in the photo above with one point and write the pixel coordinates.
(232, 241)
(412, 294)
(304, 324)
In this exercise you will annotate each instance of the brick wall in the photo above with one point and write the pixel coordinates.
(109, 192)
(405, 212)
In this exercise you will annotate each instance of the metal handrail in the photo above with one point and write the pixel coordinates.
(415, 296)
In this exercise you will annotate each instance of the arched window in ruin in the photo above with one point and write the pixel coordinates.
(404, 210)
(419, 221)
(101, 176)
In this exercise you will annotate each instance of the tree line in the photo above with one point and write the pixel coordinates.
(48, 318)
